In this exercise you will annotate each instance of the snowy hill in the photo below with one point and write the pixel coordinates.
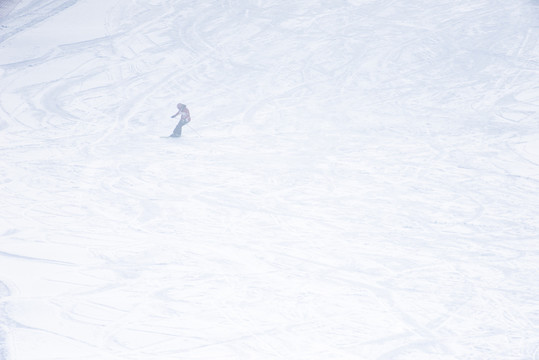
(360, 179)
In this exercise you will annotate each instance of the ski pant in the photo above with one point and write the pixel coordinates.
(178, 129)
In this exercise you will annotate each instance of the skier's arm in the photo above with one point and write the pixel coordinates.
(178, 113)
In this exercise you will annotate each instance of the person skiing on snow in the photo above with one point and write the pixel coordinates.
(185, 118)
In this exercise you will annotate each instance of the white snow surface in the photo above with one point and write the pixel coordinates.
(360, 179)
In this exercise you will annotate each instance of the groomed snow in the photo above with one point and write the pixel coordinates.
(360, 180)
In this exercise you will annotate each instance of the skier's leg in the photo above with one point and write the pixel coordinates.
(177, 131)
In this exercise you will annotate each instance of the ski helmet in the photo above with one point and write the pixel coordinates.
(180, 106)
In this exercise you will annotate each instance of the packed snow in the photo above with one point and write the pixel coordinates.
(360, 179)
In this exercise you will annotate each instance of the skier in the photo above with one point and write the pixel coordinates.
(185, 118)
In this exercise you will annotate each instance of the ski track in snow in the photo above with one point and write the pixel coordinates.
(360, 180)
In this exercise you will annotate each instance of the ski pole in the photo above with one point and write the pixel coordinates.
(194, 130)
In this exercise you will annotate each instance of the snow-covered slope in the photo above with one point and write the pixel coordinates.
(360, 179)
